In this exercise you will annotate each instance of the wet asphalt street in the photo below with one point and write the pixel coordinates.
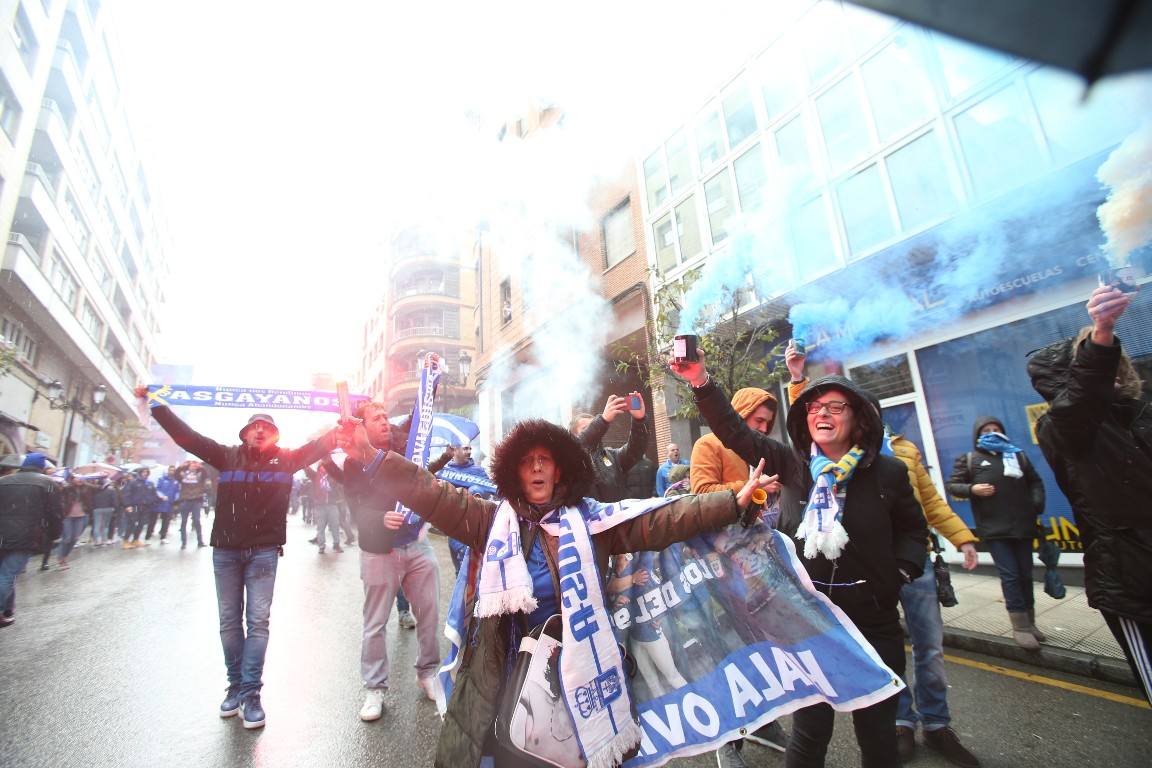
(117, 662)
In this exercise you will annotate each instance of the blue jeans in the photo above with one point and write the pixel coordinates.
(73, 527)
(1013, 558)
(11, 565)
(327, 516)
(188, 508)
(245, 579)
(101, 517)
(926, 630)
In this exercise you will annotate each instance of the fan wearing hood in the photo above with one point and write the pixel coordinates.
(1097, 437)
(538, 468)
(863, 533)
(1007, 496)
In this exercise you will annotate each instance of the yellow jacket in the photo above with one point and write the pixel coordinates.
(936, 511)
(714, 467)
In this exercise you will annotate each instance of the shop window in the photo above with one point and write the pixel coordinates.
(998, 144)
(921, 182)
(898, 88)
(739, 114)
(751, 178)
(864, 207)
(890, 377)
(616, 230)
(843, 122)
(718, 196)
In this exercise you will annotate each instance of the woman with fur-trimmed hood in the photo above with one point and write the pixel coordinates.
(543, 472)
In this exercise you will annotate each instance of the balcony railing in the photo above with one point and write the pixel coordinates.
(437, 289)
(426, 330)
(37, 170)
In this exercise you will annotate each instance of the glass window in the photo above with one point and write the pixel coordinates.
(885, 378)
(688, 228)
(823, 42)
(665, 245)
(841, 111)
(751, 178)
(795, 159)
(864, 206)
(921, 182)
(898, 88)
(91, 322)
(619, 242)
(999, 147)
(866, 27)
(781, 78)
(679, 163)
(739, 114)
(964, 64)
(63, 281)
(812, 240)
(9, 111)
(1076, 124)
(655, 180)
(709, 139)
(718, 195)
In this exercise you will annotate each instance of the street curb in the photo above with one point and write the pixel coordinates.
(1048, 657)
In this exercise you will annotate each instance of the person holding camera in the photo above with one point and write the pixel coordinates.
(862, 534)
(926, 700)
(612, 464)
(1097, 437)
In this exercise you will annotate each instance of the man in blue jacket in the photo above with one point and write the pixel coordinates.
(167, 489)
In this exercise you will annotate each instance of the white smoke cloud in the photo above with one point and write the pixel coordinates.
(1126, 216)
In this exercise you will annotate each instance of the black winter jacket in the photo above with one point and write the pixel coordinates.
(1100, 449)
(613, 464)
(1011, 512)
(886, 527)
(253, 490)
(31, 508)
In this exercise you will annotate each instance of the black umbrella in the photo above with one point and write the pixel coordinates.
(1092, 38)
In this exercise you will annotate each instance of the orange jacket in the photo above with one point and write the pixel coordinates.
(714, 467)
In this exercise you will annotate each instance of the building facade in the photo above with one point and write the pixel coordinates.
(84, 263)
(944, 194)
(427, 307)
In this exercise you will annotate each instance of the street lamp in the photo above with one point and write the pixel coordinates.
(57, 403)
(465, 364)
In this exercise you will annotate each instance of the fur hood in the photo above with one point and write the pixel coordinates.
(576, 470)
(867, 418)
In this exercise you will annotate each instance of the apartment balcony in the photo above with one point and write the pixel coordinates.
(415, 338)
(35, 174)
(416, 259)
(65, 63)
(417, 296)
(52, 123)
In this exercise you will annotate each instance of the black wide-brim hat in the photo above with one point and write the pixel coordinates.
(576, 470)
(259, 417)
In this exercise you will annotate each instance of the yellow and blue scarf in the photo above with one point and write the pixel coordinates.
(821, 529)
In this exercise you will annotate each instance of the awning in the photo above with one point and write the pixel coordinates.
(6, 419)
(1093, 38)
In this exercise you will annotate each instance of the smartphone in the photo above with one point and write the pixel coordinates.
(798, 345)
(1121, 278)
(684, 349)
(635, 403)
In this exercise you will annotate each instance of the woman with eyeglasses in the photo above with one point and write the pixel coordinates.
(861, 535)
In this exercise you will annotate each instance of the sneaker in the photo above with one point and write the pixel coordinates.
(338, 550)
(728, 756)
(7, 621)
(407, 620)
(253, 712)
(43, 566)
(163, 541)
(200, 545)
(321, 550)
(63, 565)
(431, 686)
(771, 735)
(905, 742)
(231, 704)
(947, 743)
(373, 708)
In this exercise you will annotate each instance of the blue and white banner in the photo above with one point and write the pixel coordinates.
(420, 435)
(727, 633)
(450, 429)
(245, 397)
(466, 477)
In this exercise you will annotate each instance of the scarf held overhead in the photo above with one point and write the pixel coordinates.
(821, 529)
